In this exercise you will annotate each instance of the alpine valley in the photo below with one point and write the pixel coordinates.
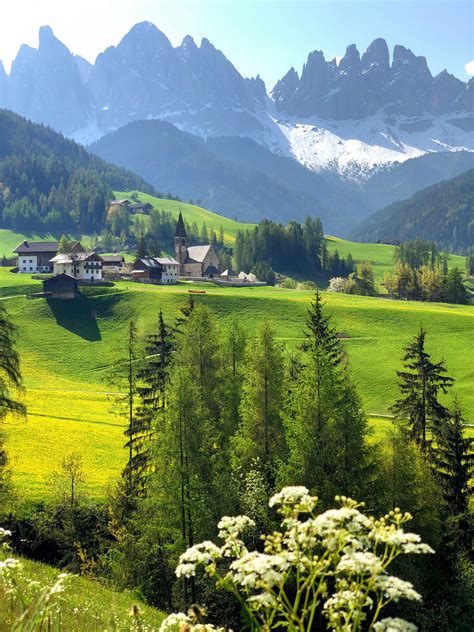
(340, 139)
(360, 133)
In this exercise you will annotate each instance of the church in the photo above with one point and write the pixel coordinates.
(194, 261)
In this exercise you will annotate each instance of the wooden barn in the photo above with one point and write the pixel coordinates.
(61, 286)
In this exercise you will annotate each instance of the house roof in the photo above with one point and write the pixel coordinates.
(61, 279)
(65, 257)
(149, 262)
(166, 261)
(32, 247)
(229, 273)
(112, 258)
(138, 205)
(118, 202)
(197, 253)
(180, 227)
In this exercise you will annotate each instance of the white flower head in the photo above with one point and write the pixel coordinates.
(202, 554)
(391, 624)
(174, 622)
(394, 588)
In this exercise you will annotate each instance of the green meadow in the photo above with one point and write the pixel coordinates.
(69, 351)
(192, 213)
(85, 604)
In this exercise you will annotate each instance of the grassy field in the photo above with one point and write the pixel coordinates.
(69, 348)
(85, 605)
(9, 239)
(193, 213)
(381, 256)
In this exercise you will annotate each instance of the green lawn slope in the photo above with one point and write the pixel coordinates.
(69, 351)
(192, 213)
(85, 605)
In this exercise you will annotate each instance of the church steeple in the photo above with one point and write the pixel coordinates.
(180, 243)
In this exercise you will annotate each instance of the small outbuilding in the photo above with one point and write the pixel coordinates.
(60, 286)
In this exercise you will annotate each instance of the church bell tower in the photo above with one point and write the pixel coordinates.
(180, 244)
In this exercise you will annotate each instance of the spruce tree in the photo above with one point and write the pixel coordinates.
(454, 462)
(152, 390)
(321, 334)
(421, 382)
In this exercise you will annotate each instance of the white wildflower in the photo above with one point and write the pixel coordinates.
(394, 625)
(257, 570)
(359, 563)
(294, 496)
(58, 587)
(174, 622)
(395, 588)
(4, 533)
(201, 554)
(9, 564)
(234, 525)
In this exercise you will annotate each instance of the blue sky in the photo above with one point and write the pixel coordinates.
(258, 36)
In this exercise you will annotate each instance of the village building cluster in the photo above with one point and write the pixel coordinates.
(78, 266)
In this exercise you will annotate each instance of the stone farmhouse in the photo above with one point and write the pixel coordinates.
(194, 261)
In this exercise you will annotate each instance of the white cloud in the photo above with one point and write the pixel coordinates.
(470, 68)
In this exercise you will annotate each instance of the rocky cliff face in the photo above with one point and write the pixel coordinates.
(348, 117)
(359, 87)
(45, 85)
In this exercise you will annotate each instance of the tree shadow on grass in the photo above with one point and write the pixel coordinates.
(77, 316)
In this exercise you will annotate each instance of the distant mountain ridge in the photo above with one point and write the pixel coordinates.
(443, 213)
(348, 118)
(244, 180)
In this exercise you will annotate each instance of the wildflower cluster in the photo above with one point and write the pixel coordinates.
(332, 565)
(30, 603)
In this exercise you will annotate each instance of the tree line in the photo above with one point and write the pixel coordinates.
(421, 274)
(49, 183)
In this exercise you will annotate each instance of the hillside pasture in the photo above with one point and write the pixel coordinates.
(69, 351)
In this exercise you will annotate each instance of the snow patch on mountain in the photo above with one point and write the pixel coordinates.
(355, 148)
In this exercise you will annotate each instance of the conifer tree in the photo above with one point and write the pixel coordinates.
(454, 462)
(260, 437)
(421, 382)
(321, 334)
(152, 389)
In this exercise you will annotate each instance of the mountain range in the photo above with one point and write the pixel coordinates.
(355, 134)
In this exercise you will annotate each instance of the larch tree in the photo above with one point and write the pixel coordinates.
(259, 441)
(420, 384)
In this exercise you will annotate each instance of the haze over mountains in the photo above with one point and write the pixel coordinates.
(349, 125)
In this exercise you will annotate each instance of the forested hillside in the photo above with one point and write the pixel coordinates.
(443, 213)
(52, 184)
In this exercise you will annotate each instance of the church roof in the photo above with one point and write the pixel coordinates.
(180, 227)
(197, 253)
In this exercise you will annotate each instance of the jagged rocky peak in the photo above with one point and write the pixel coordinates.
(376, 57)
(405, 60)
(285, 86)
(350, 63)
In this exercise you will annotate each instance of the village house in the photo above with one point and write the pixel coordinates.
(194, 261)
(35, 256)
(84, 266)
(60, 286)
(112, 263)
(158, 270)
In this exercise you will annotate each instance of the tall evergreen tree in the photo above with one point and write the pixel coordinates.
(320, 333)
(260, 437)
(421, 382)
(152, 390)
(454, 462)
